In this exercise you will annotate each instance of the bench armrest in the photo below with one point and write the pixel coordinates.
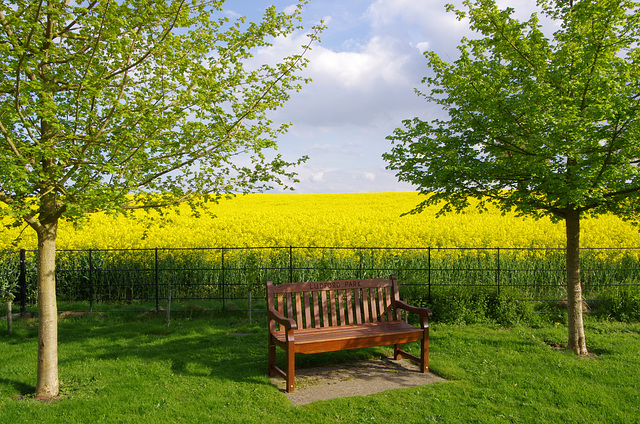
(414, 309)
(276, 316)
(424, 313)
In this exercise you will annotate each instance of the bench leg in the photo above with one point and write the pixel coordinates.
(396, 351)
(291, 368)
(424, 354)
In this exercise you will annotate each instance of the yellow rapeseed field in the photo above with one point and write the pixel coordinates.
(331, 220)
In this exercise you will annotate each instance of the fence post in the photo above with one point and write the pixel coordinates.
(224, 281)
(90, 281)
(22, 279)
(498, 269)
(291, 264)
(157, 281)
(429, 271)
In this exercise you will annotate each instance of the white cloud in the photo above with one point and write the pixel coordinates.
(364, 76)
(362, 89)
(290, 9)
(375, 82)
(432, 16)
(345, 180)
(428, 24)
(423, 46)
(380, 61)
(317, 177)
(426, 14)
(419, 22)
(369, 176)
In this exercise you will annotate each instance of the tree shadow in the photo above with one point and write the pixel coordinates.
(23, 388)
(200, 348)
(192, 348)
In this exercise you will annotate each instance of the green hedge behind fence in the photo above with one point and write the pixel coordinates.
(462, 285)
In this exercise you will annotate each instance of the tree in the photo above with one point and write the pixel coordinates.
(119, 105)
(543, 126)
(7, 287)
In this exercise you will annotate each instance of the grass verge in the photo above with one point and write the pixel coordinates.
(207, 367)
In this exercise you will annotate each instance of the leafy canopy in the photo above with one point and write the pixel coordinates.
(110, 105)
(540, 124)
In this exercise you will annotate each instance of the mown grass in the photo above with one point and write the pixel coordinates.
(210, 367)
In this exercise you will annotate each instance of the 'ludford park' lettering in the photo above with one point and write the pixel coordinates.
(336, 285)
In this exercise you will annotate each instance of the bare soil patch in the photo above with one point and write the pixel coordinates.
(357, 379)
(69, 314)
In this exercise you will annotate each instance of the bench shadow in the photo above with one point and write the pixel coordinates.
(362, 378)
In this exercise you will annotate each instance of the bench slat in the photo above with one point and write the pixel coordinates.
(299, 311)
(388, 304)
(341, 306)
(307, 310)
(381, 310)
(396, 298)
(289, 313)
(349, 308)
(316, 311)
(374, 309)
(281, 303)
(325, 312)
(332, 303)
(358, 309)
(365, 306)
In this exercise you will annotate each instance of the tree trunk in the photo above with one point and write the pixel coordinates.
(577, 342)
(9, 318)
(47, 386)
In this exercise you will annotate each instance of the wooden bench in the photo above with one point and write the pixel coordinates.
(327, 316)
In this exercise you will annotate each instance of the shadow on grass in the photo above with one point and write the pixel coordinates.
(206, 346)
(476, 338)
(203, 347)
(21, 387)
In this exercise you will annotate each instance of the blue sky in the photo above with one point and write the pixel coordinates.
(365, 72)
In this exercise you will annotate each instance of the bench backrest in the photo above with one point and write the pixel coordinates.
(332, 303)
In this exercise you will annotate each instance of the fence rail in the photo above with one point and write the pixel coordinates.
(226, 274)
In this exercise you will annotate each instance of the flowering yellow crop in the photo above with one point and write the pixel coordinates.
(331, 220)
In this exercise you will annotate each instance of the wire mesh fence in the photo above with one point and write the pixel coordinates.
(225, 275)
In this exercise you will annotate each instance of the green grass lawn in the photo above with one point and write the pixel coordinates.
(211, 368)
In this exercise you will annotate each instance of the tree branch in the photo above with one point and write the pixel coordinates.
(515, 48)
(148, 53)
(7, 138)
(71, 24)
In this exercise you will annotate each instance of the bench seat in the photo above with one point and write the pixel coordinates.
(331, 339)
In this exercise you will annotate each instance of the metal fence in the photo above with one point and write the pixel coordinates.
(237, 274)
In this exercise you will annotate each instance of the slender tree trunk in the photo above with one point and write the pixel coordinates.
(577, 341)
(9, 318)
(47, 386)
